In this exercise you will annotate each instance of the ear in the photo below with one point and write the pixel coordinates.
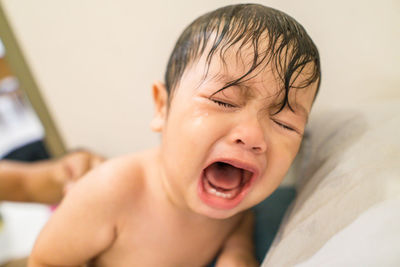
(160, 98)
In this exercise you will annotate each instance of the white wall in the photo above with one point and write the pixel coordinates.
(95, 60)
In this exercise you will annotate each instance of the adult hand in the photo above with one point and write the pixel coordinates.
(73, 166)
(44, 181)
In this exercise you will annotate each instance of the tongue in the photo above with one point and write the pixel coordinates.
(224, 176)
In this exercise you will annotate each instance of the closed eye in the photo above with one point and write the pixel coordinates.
(284, 126)
(222, 104)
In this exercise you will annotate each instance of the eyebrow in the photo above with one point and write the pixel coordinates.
(301, 110)
(246, 92)
(225, 79)
(244, 89)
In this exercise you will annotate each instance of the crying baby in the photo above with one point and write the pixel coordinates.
(239, 86)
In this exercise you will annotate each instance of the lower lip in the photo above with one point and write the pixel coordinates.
(219, 202)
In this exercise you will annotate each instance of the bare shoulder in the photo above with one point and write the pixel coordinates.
(84, 224)
(120, 177)
(124, 169)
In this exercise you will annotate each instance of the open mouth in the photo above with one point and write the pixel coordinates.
(224, 184)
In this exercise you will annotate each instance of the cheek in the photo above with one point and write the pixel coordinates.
(196, 125)
(186, 138)
(278, 163)
(286, 145)
(279, 158)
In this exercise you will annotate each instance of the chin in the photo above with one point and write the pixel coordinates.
(214, 213)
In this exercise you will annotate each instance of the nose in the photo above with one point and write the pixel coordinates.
(250, 135)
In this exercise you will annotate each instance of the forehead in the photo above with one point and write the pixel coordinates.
(263, 82)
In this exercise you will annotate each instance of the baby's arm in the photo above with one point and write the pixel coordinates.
(81, 227)
(238, 250)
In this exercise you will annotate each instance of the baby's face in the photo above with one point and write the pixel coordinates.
(224, 153)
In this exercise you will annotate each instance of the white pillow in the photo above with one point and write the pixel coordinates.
(349, 163)
(371, 240)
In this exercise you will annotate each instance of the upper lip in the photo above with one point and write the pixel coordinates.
(245, 165)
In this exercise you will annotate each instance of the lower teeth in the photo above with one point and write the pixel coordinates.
(219, 194)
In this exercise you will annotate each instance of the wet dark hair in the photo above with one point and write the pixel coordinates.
(274, 36)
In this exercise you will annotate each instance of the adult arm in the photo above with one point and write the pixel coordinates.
(43, 181)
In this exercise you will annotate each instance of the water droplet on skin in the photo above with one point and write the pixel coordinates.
(199, 117)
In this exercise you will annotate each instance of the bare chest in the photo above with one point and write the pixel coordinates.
(160, 239)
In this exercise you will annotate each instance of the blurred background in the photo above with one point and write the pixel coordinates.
(87, 66)
(93, 62)
(19, 124)
(21, 138)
